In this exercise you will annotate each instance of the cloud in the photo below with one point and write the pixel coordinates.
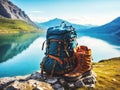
(39, 19)
(91, 20)
(37, 11)
(79, 20)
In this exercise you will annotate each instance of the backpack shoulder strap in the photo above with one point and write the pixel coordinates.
(43, 44)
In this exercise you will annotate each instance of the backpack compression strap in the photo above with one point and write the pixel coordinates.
(56, 58)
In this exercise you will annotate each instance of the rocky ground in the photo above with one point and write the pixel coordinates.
(29, 82)
(36, 81)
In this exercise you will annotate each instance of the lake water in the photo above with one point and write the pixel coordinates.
(27, 55)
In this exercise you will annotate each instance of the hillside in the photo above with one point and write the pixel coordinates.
(108, 78)
(57, 21)
(8, 26)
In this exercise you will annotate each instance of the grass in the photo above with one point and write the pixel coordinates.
(108, 74)
(8, 26)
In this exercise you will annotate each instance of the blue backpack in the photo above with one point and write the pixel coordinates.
(60, 42)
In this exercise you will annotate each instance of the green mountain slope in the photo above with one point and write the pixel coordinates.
(16, 26)
(108, 75)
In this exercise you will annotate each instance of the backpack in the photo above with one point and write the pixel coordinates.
(60, 44)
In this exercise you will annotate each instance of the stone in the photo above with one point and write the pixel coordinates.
(38, 76)
(57, 86)
(78, 83)
(14, 86)
(51, 80)
(38, 88)
(71, 85)
(39, 85)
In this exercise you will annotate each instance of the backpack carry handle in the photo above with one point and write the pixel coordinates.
(63, 24)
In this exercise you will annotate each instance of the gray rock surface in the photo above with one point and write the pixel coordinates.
(9, 10)
(36, 81)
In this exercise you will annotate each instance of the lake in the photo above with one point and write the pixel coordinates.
(22, 55)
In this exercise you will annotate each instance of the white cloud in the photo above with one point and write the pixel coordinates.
(37, 11)
(92, 20)
(39, 19)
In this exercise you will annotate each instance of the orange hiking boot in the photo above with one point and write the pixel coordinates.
(83, 57)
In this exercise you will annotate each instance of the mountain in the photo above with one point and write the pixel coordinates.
(57, 21)
(112, 27)
(9, 10)
(14, 20)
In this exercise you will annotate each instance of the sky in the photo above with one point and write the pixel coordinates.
(95, 12)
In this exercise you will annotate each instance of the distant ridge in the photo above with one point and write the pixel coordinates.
(57, 21)
(112, 27)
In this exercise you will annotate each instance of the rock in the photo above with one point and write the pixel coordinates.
(37, 88)
(37, 76)
(58, 87)
(36, 81)
(9, 10)
(15, 86)
(71, 85)
(88, 81)
(51, 80)
(37, 85)
(5, 82)
(29, 85)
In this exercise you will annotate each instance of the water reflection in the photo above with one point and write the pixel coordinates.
(111, 39)
(101, 49)
(24, 63)
(11, 45)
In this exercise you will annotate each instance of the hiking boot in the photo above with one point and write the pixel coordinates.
(83, 57)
